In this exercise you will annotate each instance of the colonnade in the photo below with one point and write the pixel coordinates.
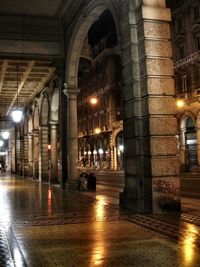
(151, 162)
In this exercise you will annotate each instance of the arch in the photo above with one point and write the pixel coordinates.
(44, 114)
(197, 125)
(36, 118)
(54, 107)
(25, 125)
(30, 122)
(114, 135)
(184, 118)
(88, 16)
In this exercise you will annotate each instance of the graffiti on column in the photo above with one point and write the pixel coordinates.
(166, 187)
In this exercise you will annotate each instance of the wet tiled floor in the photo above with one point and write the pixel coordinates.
(43, 226)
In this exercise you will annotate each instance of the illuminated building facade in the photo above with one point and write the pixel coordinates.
(186, 56)
(100, 142)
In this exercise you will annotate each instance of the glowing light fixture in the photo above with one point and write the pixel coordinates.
(5, 135)
(49, 147)
(17, 113)
(180, 103)
(97, 130)
(121, 148)
(93, 100)
(100, 151)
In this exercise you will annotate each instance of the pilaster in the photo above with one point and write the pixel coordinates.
(43, 154)
(25, 145)
(30, 154)
(151, 163)
(54, 152)
(35, 154)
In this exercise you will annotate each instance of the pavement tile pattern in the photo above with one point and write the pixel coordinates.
(5, 255)
(41, 227)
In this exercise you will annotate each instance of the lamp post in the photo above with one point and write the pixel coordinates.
(17, 113)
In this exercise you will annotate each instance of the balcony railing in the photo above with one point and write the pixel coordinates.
(188, 59)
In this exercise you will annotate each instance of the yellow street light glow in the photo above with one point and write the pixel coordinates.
(180, 103)
(49, 147)
(97, 130)
(93, 100)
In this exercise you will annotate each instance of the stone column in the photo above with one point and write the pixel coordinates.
(182, 147)
(54, 152)
(35, 154)
(43, 154)
(17, 152)
(21, 155)
(13, 155)
(25, 145)
(72, 132)
(150, 145)
(30, 154)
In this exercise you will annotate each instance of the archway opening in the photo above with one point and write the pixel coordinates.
(190, 144)
(99, 100)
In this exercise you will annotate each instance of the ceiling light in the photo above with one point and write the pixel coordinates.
(5, 135)
(17, 113)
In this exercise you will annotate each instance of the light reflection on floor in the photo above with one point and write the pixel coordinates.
(189, 244)
(87, 229)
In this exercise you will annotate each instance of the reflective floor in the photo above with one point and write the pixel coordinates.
(43, 226)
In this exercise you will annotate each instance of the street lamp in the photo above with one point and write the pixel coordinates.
(180, 103)
(93, 100)
(17, 113)
(97, 130)
(5, 135)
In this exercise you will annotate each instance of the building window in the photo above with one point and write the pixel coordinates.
(196, 13)
(179, 24)
(182, 51)
(184, 84)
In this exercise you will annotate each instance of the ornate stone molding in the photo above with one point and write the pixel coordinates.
(71, 93)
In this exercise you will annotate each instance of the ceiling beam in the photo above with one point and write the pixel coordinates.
(25, 76)
(3, 73)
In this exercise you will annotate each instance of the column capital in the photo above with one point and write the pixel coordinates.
(71, 92)
(53, 125)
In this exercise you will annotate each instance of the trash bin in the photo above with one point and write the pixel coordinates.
(83, 182)
(92, 182)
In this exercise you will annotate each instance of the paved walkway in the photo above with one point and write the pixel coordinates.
(43, 226)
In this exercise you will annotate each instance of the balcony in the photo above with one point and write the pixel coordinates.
(188, 59)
